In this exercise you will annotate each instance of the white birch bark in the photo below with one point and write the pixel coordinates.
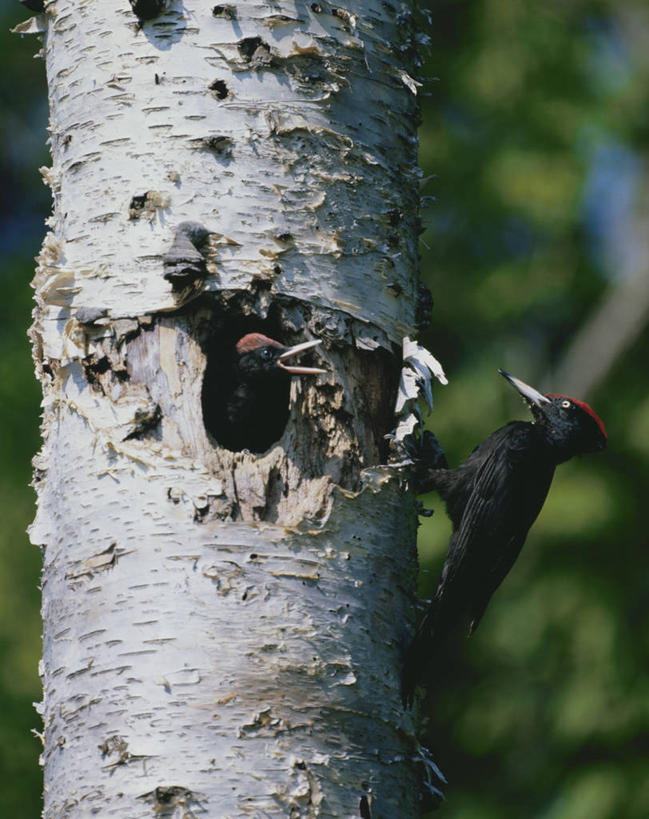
(223, 631)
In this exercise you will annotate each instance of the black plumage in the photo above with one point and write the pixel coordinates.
(246, 404)
(493, 499)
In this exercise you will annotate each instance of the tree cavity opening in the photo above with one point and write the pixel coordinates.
(244, 409)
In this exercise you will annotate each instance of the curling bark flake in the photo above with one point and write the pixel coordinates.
(223, 632)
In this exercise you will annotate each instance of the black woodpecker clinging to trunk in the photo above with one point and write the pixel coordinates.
(493, 499)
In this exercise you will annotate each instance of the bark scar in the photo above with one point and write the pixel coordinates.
(184, 262)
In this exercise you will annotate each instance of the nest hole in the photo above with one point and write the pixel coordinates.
(239, 413)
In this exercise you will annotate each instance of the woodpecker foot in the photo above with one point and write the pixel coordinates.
(431, 452)
(426, 456)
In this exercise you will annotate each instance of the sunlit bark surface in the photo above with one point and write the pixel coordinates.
(223, 631)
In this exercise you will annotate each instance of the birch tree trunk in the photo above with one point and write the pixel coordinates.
(223, 631)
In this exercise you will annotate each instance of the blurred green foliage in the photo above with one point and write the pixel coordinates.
(544, 714)
(24, 203)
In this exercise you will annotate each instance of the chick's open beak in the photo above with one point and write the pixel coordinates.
(295, 350)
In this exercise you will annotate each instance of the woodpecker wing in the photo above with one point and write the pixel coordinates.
(512, 477)
(492, 500)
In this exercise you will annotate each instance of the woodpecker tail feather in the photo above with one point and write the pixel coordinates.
(420, 655)
(444, 616)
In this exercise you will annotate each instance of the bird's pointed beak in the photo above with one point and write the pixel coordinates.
(532, 396)
(295, 350)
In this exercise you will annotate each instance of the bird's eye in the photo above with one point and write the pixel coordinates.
(566, 404)
(266, 354)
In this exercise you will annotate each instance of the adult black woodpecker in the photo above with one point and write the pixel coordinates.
(247, 407)
(493, 499)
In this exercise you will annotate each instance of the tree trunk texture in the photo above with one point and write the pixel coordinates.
(223, 631)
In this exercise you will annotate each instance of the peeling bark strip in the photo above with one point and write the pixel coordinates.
(223, 631)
